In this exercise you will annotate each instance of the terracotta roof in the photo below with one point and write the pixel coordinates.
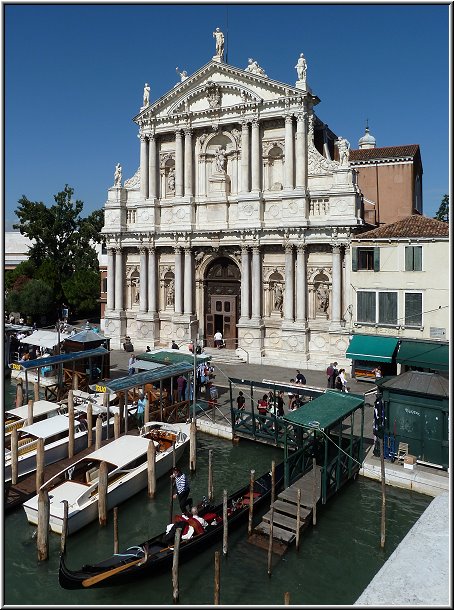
(412, 226)
(386, 152)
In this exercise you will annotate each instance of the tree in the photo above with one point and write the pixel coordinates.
(82, 290)
(443, 210)
(16, 277)
(62, 240)
(35, 299)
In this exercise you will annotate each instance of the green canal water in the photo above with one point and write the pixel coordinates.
(336, 560)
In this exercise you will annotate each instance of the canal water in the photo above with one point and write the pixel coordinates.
(336, 560)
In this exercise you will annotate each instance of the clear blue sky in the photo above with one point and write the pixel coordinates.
(74, 77)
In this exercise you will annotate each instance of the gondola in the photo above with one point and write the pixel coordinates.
(156, 554)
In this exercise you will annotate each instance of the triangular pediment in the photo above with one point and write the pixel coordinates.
(217, 87)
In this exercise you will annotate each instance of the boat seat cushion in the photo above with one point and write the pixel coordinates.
(92, 475)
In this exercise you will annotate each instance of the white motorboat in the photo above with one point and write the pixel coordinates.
(18, 417)
(55, 432)
(126, 459)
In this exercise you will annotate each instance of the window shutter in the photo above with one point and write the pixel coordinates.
(354, 259)
(418, 258)
(408, 258)
(376, 259)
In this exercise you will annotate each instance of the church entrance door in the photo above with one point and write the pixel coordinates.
(223, 319)
(222, 291)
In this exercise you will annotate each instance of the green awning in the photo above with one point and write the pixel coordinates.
(368, 347)
(424, 354)
(325, 411)
(172, 356)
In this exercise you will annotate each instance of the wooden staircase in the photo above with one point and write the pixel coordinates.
(285, 513)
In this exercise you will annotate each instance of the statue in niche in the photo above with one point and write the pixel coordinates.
(301, 68)
(220, 160)
(117, 175)
(219, 36)
(135, 294)
(171, 293)
(171, 180)
(344, 151)
(146, 95)
(278, 297)
(322, 298)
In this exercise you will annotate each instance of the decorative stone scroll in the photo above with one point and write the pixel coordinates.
(134, 181)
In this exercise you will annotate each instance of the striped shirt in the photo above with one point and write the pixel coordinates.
(181, 483)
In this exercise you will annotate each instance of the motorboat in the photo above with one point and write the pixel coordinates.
(18, 416)
(55, 433)
(126, 459)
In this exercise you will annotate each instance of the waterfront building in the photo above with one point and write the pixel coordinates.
(238, 219)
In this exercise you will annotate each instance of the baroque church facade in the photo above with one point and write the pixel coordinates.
(238, 219)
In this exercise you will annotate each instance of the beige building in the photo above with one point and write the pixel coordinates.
(238, 219)
(400, 280)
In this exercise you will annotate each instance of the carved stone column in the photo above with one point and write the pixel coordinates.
(301, 151)
(336, 284)
(188, 182)
(301, 284)
(255, 150)
(256, 283)
(143, 166)
(289, 297)
(245, 157)
(143, 287)
(188, 281)
(110, 279)
(289, 157)
(152, 281)
(152, 167)
(178, 281)
(118, 280)
(245, 283)
(178, 164)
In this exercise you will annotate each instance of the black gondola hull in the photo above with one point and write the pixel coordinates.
(158, 556)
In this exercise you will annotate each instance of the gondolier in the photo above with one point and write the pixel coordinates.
(182, 486)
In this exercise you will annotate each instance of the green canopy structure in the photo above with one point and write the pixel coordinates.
(424, 354)
(140, 379)
(326, 411)
(375, 349)
(172, 356)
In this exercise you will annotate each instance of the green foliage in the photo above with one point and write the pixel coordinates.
(24, 271)
(82, 290)
(443, 210)
(62, 246)
(35, 299)
(12, 301)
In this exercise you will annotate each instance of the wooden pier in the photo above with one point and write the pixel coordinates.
(285, 509)
(16, 495)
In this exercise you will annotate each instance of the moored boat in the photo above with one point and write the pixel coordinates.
(156, 554)
(126, 459)
(18, 416)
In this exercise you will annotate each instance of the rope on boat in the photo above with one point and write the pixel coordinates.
(139, 550)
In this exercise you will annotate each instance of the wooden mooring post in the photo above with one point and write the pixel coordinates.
(217, 578)
(19, 394)
(115, 519)
(383, 495)
(39, 463)
(270, 542)
(102, 494)
(225, 529)
(116, 425)
(64, 530)
(36, 391)
(89, 425)
(298, 518)
(151, 469)
(251, 502)
(30, 413)
(287, 598)
(192, 446)
(14, 456)
(42, 538)
(210, 474)
(98, 433)
(273, 482)
(314, 492)
(71, 429)
(176, 557)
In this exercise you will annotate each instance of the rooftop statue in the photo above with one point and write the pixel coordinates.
(301, 67)
(344, 151)
(146, 95)
(117, 175)
(254, 68)
(219, 36)
(183, 75)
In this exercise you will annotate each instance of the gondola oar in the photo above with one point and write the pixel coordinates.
(88, 582)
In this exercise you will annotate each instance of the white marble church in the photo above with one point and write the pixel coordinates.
(238, 219)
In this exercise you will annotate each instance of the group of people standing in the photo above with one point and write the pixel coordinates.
(337, 378)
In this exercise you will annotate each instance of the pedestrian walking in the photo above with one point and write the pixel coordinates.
(131, 368)
(240, 404)
(182, 489)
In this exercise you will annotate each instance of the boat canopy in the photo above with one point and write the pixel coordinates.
(45, 338)
(121, 451)
(40, 407)
(141, 379)
(59, 358)
(47, 427)
(326, 411)
(373, 348)
(173, 356)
